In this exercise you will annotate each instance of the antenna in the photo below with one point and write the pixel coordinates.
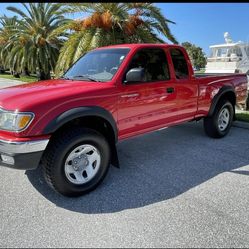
(227, 38)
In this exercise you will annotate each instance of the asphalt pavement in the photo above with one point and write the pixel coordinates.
(175, 188)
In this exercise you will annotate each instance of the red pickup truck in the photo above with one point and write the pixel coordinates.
(71, 125)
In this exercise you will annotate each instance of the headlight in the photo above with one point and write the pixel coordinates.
(12, 121)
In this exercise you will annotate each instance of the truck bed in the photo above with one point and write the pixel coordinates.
(239, 82)
(201, 75)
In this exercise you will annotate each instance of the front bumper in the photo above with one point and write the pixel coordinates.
(22, 155)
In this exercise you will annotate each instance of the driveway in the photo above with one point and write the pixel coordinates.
(7, 82)
(175, 188)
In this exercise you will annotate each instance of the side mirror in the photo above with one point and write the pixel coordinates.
(135, 75)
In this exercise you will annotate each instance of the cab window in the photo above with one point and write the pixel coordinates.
(180, 64)
(154, 62)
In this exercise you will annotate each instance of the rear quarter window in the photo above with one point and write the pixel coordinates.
(180, 63)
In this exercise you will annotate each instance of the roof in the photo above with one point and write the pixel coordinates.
(227, 45)
(135, 45)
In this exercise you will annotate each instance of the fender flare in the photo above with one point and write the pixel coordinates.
(223, 90)
(80, 112)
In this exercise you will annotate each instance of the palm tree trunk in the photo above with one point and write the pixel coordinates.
(16, 74)
(41, 74)
(25, 72)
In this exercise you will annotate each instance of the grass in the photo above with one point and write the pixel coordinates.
(243, 116)
(200, 71)
(31, 78)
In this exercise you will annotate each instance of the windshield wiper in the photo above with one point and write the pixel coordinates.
(64, 78)
(87, 77)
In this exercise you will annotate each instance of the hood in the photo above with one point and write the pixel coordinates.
(23, 97)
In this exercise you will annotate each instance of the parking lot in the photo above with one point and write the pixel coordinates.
(175, 188)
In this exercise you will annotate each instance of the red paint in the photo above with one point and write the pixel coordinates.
(152, 107)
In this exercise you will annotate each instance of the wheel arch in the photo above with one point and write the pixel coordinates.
(94, 117)
(226, 92)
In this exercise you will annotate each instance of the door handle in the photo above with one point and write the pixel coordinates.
(130, 95)
(170, 89)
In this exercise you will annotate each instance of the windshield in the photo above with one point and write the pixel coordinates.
(234, 51)
(98, 65)
(225, 52)
(221, 52)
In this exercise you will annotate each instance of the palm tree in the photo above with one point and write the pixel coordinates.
(6, 31)
(33, 44)
(110, 23)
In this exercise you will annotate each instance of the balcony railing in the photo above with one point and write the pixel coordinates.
(224, 59)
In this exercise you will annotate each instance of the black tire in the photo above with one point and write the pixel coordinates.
(211, 126)
(53, 161)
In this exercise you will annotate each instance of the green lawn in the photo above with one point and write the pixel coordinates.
(22, 78)
(243, 116)
(200, 71)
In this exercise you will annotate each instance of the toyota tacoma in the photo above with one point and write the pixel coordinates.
(70, 126)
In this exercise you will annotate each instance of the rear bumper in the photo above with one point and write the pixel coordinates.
(22, 155)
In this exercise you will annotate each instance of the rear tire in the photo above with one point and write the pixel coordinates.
(219, 124)
(76, 161)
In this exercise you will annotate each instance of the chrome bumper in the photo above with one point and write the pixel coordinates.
(22, 155)
(23, 147)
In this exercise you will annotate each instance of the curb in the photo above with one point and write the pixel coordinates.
(241, 124)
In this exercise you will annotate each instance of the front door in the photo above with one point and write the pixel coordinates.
(150, 103)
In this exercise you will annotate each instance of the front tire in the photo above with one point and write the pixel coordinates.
(219, 124)
(76, 161)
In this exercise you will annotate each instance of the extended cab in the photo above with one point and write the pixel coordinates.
(71, 125)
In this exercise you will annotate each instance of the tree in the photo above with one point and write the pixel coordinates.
(32, 44)
(196, 55)
(6, 31)
(110, 23)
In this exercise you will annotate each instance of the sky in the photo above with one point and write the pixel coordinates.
(203, 24)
